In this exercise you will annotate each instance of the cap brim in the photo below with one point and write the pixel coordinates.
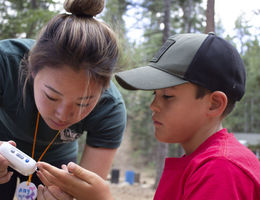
(147, 78)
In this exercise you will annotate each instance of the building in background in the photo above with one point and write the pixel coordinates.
(251, 140)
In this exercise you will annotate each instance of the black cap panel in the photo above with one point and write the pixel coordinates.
(218, 66)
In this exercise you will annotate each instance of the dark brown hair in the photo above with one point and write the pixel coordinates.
(77, 40)
(201, 92)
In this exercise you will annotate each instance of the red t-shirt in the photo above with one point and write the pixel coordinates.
(219, 169)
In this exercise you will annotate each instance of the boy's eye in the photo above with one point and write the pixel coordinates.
(164, 96)
(167, 96)
(51, 98)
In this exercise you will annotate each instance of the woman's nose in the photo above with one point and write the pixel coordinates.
(64, 112)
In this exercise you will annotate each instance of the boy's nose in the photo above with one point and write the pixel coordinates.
(154, 106)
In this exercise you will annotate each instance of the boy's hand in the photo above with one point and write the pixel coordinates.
(52, 193)
(75, 180)
(4, 174)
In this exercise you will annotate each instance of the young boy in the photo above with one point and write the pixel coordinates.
(196, 79)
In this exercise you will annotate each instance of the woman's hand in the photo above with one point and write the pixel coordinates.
(4, 174)
(75, 180)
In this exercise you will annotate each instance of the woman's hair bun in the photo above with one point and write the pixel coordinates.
(84, 7)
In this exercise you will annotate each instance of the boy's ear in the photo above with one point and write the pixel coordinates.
(217, 103)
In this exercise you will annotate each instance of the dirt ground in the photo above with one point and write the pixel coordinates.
(124, 161)
(131, 192)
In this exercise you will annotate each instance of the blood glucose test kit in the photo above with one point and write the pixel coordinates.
(19, 161)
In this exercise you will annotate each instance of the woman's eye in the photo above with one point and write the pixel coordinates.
(83, 105)
(50, 98)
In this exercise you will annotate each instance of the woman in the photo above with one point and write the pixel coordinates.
(63, 89)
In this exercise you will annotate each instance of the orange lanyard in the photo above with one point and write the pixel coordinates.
(34, 141)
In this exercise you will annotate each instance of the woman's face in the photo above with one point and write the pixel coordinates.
(63, 96)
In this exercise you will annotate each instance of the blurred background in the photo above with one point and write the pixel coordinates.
(142, 26)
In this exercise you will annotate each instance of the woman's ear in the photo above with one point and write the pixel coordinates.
(33, 74)
(217, 103)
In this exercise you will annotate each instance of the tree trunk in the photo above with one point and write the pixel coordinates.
(188, 12)
(30, 32)
(162, 148)
(166, 20)
(161, 154)
(210, 26)
(246, 117)
(34, 4)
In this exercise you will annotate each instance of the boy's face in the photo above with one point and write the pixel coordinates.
(177, 115)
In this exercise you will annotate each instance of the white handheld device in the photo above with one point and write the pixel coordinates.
(19, 161)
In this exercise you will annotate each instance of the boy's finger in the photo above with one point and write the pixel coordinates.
(64, 167)
(40, 192)
(82, 173)
(49, 178)
(58, 173)
(48, 195)
(58, 193)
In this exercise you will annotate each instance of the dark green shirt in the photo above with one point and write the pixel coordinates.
(104, 126)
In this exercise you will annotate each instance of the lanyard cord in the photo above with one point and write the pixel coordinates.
(34, 141)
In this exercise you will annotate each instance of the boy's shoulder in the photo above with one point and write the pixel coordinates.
(222, 151)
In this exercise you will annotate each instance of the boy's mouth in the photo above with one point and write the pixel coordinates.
(155, 122)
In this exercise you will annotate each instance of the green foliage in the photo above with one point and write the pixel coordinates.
(113, 15)
(131, 56)
(24, 18)
(141, 124)
(246, 116)
(139, 113)
(186, 16)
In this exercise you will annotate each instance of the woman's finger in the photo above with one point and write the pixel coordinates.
(5, 178)
(3, 165)
(12, 142)
(43, 178)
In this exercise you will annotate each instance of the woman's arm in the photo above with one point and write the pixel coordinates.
(98, 160)
(77, 181)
